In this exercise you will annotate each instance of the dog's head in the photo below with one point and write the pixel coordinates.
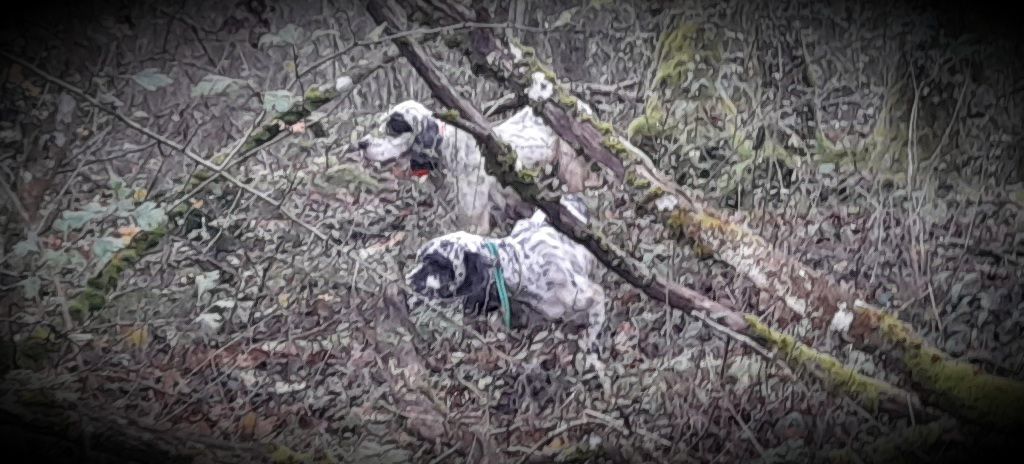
(408, 127)
(451, 265)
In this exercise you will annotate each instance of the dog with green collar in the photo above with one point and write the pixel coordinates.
(535, 271)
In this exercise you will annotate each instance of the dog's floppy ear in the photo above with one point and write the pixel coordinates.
(478, 286)
(428, 141)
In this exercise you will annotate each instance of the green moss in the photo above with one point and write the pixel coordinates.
(89, 301)
(604, 127)
(865, 390)
(292, 117)
(200, 176)
(548, 73)
(129, 255)
(636, 181)
(259, 137)
(958, 387)
(614, 144)
(450, 115)
(651, 123)
(677, 54)
(316, 96)
(566, 99)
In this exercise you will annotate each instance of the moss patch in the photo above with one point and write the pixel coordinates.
(834, 374)
(958, 387)
(651, 123)
(677, 54)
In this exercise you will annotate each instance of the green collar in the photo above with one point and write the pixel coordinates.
(499, 279)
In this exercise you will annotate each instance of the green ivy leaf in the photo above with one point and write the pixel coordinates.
(55, 259)
(120, 187)
(30, 287)
(278, 101)
(205, 282)
(152, 79)
(72, 220)
(24, 247)
(104, 248)
(288, 35)
(214, 84)
(149, 216)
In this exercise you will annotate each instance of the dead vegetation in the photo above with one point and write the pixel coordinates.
(868, 145)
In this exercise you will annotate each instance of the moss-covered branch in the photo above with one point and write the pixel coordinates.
(948, 383)
(871, 393)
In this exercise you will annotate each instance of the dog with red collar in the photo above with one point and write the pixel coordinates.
(452, 160)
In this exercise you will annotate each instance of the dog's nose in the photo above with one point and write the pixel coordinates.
(363, 144)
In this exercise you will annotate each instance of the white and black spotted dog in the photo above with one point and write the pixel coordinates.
(546, 273)
(454, 162)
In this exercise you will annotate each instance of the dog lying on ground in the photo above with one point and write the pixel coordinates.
(454, 162)
(545, 272)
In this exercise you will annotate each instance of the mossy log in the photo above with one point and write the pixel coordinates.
(500, 159)
(807, 292)
(94, 296)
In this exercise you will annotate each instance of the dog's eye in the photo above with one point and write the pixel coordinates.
(397, 125)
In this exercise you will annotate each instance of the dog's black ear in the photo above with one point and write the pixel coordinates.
(481, 295)
(398, 125)
(428, 142)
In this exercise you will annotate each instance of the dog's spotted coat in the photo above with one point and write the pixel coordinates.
(409, 129)
(546, 273)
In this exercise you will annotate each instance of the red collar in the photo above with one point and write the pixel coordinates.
(426, 172)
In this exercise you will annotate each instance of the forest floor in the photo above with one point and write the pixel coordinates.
(243, 326)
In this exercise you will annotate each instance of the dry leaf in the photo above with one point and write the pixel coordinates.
(128, 232)
(140, 195)
(298, 128)
(137, 337)
(247, 426)
(264, 427)
(555, 445)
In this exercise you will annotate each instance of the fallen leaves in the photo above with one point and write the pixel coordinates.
(127, 233)
(136, 336)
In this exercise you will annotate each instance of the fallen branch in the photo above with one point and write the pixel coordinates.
(500, 161)
(953, 386)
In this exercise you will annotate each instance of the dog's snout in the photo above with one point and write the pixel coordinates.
(363, 143)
